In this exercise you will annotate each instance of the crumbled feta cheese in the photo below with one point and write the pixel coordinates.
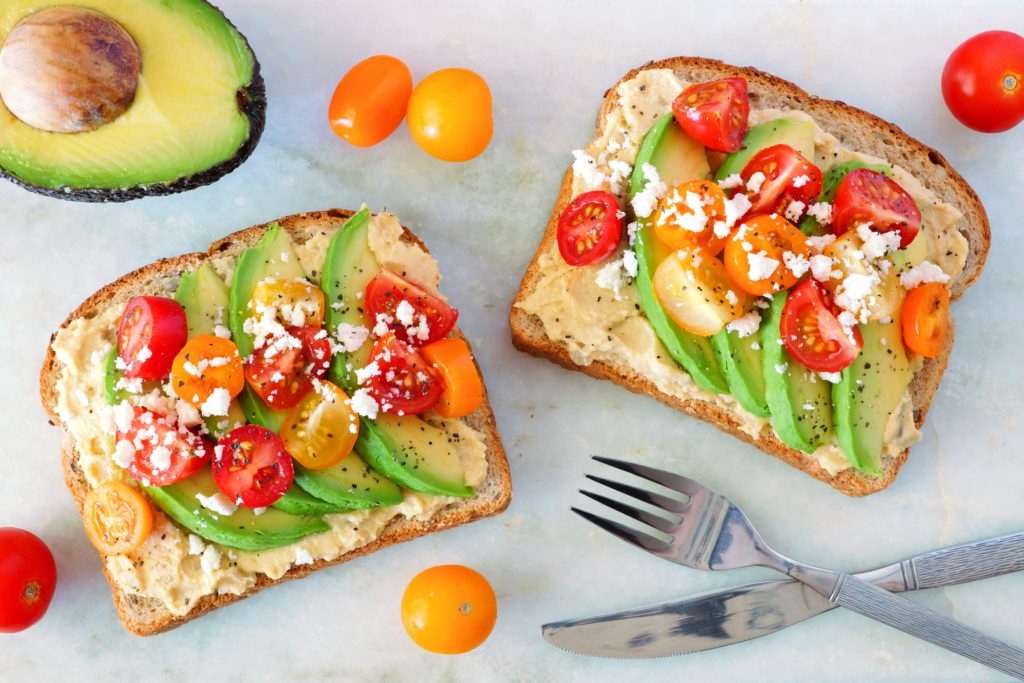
(730, 182)
(857, 287)
(821, 212)
(646, 200)
(755, 182)
(612, 276)
(923, 273)
(133, 385)
(781, 368)
(217, 404)
(818, 243)
(760, 266)
(366, 372)
(877, 244)
(832, 377)
(381, 327)
(188, 415)
(404, 313)
(210, 559)
(124, 452)
(584, 166)
(620, 175)
(821, 267)
(160, 458)
(796, 263)
(258, 511)
(124, 415)
(195, 545)
(755, 345)
(218, 503)
(731, 297)
(222, 332)
(302, 556)
(794, 210)
(735, 209)
(351, 337)
(808, 405)
(144, 354)
(285, 256)
(364, 404)
(745, 325)
(631, 231)
(801, 180)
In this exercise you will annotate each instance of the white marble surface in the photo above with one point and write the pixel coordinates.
(548, 65)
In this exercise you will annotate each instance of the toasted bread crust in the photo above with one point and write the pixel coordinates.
(925, 163)
(148, 616)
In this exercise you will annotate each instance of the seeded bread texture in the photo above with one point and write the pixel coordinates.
(855, 129)
(147, 616)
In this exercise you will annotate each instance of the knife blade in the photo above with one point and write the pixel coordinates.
(735, 615)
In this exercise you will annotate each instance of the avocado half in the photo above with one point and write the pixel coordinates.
(198, 111)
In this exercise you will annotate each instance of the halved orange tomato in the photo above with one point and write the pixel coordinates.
(694, 289)
(756, 254)
(925, 318)
(463, 388)
(688, 214)
(322, 428)
(205, 364)
(117, 518)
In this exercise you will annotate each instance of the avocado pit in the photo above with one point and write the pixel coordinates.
(68, 69)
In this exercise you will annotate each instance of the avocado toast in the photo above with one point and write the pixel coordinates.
(605, 320)
(391, 488)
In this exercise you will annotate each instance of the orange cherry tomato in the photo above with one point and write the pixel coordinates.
(450, 114)
(449, 609)
(687, 216)
(370, 100)
(322, 428)
(925, 318)
(755, 244)
(694, 289)
(205, 364)
(286, 296)
(463, 388)
(117, 518)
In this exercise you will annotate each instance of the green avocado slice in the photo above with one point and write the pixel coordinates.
(796, 133)
(413, 454)
(348, 269)
(740, 359)
(678, 159)
(830, 183)
(296, 501)
(244, 529)
(349, 483)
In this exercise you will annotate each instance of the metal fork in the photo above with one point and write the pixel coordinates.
(706, 531)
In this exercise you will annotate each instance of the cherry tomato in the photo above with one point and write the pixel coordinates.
(287, 298)
(694, 289)
(152, 331)
(282, 370)
(925, 318)
(866, 196)
(688, 214)
(163, 454)
(589, 229)
(811, 332)
(28, 577)
(463, 388)
(404, 382)
(322, 428)
(714, 113)
(788, 177)
(204, 364)
(449, 609)
(426, 318)
(450, 114)
(370, 100)
(752, 249)
(117, 518)
(983, 81)
(252, 466)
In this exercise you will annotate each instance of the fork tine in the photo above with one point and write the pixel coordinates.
(673, 481)
(650, 497)
(660, 523)
(637, 538)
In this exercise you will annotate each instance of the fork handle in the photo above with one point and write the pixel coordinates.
(917, 620)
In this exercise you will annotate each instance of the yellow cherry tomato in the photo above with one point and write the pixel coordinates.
(204, 364)
(286, 296)
(370, 100)
(450, 114)
(117, 518)
(322, 428)
(695, 290)
(449, 609)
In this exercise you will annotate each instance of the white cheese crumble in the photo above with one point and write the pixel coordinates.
(210, 559)
(821, 212)
(217, 404)
(821, 268)
(794, 210)
(160, 458)
(302, 556)
(646, 200)
(832, 377)
(195, 545)
(923, 273)
(745, 325)
(818, 243)
(218, 503)
(796, 263)
(351, 337)
(124, 452)
(756, 181)
(782, 367)
(364, 404)
(222, 332)
(801, 180)
(877, 244)
(584, 166)
(760, 266)
(730, 182)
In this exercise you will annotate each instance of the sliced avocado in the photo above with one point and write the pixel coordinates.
(829, 185)
(348, 268)
(244, 529)
(413, 454)
(797, 134)
(799, 401)
(204, 296)
(258, 412)
(667, 146)
(867, 393)
(296, 501)
(912, 255)
(349, 483)
(740, 359)
(197, 113)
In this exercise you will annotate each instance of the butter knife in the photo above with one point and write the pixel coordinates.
(735, 615)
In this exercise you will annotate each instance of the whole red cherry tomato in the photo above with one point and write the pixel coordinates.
(983, 81)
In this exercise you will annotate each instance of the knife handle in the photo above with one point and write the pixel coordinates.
(965, 563)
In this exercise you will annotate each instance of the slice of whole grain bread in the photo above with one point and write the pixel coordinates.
(855, 129)
(146, 616)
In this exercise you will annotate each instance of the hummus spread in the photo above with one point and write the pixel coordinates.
(597, 324)
(162, 567)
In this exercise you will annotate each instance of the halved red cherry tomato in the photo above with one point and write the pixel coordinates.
(282, 370)
(788, 177)
(811, 332)
(755, 244)
(589, 230)
(153, 329)
(404, 382)
(252, 467)
(983, 81)
(28, 577)
(429, 319)
(680, 225)
(163, 454)
(714, 113)
(925, 318)
(370, 100)
(866, 196)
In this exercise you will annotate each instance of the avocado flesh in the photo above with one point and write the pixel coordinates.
(678, 159)
(349, 483)
(830, 183)
(799, 401)
(741, 361)
(348, 269)
(797, 134)
(868, 392)
(296, 501)
(198, 110)
(912, 255)
(244, 529)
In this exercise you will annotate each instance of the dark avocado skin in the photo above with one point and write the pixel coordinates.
(252, 101)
